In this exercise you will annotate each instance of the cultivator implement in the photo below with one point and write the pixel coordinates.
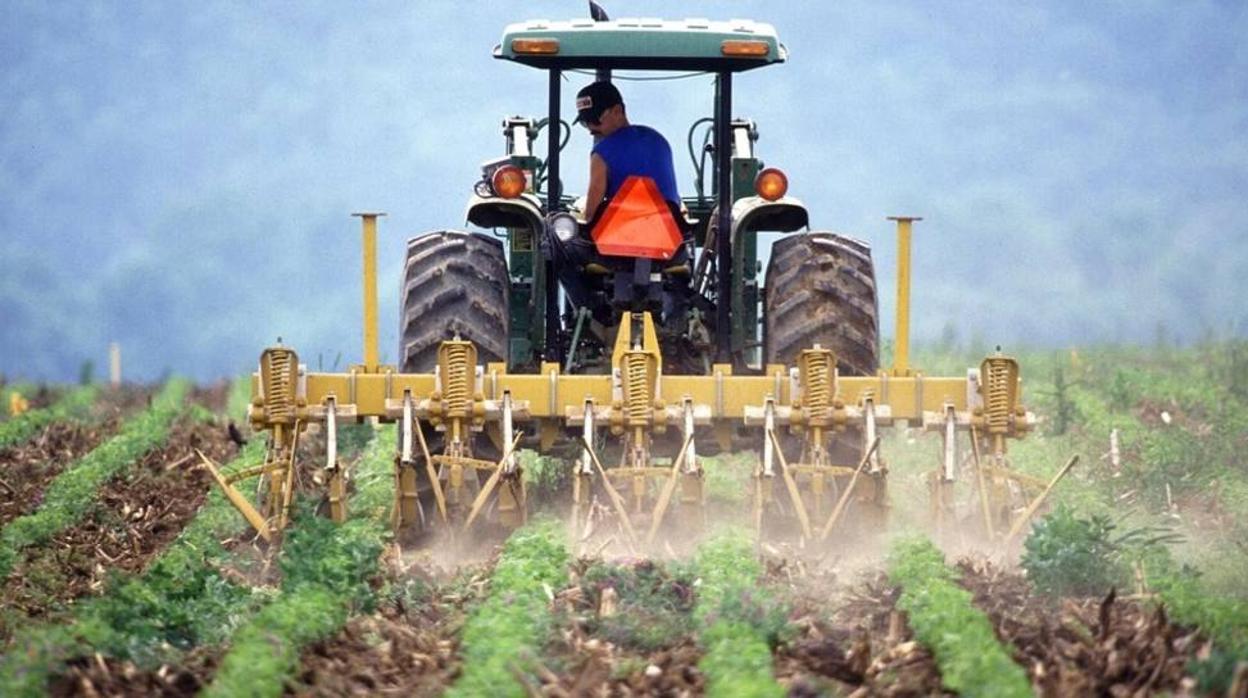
(817, 434)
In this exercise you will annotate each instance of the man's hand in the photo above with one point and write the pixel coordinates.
(597, 186)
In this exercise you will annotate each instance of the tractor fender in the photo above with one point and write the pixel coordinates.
(754, 213)
(524, 211)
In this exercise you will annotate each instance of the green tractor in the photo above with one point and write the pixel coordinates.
(502, 292)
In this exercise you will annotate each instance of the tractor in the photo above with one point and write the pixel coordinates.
(679, 355)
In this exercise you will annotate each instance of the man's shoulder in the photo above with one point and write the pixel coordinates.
(647, 132)
(630, 137)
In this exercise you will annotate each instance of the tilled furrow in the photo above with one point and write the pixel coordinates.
(1087, 646)
(103, 677)
(624, 629)
(26, 469)
(860, 646)
(412, 653)
(136, 516)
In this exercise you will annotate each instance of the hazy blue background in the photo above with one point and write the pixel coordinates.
(178, 176)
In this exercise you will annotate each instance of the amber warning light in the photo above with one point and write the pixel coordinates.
(750, 49)
(771, 184)
(508, 181)
(537, 46)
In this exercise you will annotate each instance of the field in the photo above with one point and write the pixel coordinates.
(124, 572)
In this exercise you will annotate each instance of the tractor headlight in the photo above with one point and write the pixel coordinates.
(564, 226)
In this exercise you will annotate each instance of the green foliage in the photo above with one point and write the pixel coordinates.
(735, 626)
(326, 570)
(1069, 555)
(944, 619)
(72, 494)
(265, 651)
(1233, 369)
(737, 662)
(544, 476)
(238, 399)
(1064, 413)
(516, 615)
(1120, 397)
(728, 476)
(74, 405)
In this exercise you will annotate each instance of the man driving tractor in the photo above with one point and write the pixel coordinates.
(621, 149)
(622, 152)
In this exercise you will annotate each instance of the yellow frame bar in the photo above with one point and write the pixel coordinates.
(552, 394)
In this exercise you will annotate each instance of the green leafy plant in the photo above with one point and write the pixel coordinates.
(1069, 555)
(729, 475)
(944, 619)
(544, 476)
(737, 659)
(1223, 619)
(515, 617)
(326, 573)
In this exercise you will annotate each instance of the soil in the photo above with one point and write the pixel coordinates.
(26, 469)
(407, 648)
(97, 676)
(592, 657)
(214, 397)
(136, 517)
(854, 642)
(1095, 647)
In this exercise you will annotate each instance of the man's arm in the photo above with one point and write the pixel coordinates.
(597, 186)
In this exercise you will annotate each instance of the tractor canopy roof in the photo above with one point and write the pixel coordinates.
(645, 44)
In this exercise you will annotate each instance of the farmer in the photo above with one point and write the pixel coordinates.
(621, 149)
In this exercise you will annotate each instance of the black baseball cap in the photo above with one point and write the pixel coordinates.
(594, 99)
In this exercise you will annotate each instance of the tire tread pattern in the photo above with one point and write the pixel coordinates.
(821, 289)
(454, 283)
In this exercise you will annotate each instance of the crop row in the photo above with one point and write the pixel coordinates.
(732, 620)
(944, 619)
(73, 405)
(515, 617)
(72, 493)
(326, 570)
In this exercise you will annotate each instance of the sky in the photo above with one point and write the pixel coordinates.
(178, 177)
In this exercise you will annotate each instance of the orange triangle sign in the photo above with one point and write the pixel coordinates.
(638, 223)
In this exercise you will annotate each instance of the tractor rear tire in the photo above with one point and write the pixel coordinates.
(454, 284)
(821, 290)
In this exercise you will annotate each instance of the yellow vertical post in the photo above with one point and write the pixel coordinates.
(901, 350)
(371, 361)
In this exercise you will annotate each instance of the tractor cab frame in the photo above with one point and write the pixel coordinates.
(721, 49)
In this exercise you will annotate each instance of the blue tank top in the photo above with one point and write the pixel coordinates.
(638, 150)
